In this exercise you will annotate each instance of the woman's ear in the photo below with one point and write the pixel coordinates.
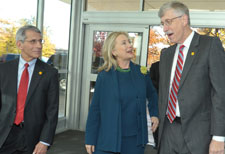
(114, 53)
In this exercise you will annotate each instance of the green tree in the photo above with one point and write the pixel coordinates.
(157, 41)
(48, 47)
(8, 37)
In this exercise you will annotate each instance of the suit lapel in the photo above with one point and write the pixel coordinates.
(136, 80)
(14, 78)
(193, 50)
(37, 75)
(115, 82)
(168, 66)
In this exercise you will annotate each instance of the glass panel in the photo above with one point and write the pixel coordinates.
(13, 15)
(210, 5)
(157, 41)
(115, 5)
(97, 58)
(99, 38)
(55, 49)
(92, 89)
(217, 32)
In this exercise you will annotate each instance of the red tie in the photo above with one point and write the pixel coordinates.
(171, 110)
(21, 95)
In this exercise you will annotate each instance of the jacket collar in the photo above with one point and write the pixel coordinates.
(135, 76)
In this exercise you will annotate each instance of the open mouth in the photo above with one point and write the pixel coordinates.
(169, 35)
(130, 51)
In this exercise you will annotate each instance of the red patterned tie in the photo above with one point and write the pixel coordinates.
(21, 95)
(171, 110)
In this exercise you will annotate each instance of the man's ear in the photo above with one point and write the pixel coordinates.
(185, 19)
(19, 44)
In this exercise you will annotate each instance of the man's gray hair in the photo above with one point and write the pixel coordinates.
(178, 7)
(21, 33)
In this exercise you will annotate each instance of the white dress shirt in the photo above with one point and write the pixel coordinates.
(186, 43)
(21, 67)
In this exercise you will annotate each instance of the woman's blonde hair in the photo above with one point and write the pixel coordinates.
(108, 47)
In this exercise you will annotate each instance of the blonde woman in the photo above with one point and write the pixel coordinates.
(117, 116)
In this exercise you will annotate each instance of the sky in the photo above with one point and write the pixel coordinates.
(56, 17)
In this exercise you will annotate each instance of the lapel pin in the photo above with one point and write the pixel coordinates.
(192, 53)
(40, 73)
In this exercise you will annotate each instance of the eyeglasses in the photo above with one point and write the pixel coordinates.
(35, 41)
(168, 22)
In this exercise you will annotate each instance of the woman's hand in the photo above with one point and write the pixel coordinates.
(155, 123)
(90, 148)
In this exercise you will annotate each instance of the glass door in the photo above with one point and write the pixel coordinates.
(94, 39)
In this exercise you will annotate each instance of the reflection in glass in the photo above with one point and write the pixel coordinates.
(55, 49)
(97, 58)
(59, 61)
(157, 41)
(98, 41)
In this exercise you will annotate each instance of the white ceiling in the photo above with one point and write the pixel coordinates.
(133, 5)
(192, 4)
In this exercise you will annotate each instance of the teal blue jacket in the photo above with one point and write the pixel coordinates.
(103, 128)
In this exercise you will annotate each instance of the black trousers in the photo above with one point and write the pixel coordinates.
(15, 142)
(172, 141)
(155, 136)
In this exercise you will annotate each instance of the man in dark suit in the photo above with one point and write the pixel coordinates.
(191, 87)
(29, 98)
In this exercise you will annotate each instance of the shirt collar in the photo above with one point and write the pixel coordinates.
(23, 62)
(187, 42)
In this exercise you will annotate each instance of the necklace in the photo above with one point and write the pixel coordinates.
(122, 70)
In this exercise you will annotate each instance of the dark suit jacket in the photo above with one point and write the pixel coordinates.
(104, 120)
(201, 94)
(41, 110)
(154, 74)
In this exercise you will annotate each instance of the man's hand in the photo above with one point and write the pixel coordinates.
(40, 149)
(90, 148)
(155, 123)
(216, 147)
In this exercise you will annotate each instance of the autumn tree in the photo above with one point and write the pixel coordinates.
(48, 47)
(157, 41)
(216, 32)
(8, 37)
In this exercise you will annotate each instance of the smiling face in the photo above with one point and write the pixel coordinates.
(123, 50)
(178, 29)
(31, 48)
